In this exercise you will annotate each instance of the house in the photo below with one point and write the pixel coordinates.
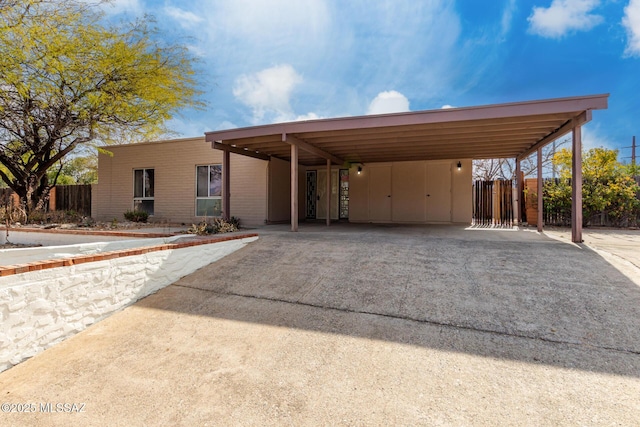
(412, 167)
(180, 181)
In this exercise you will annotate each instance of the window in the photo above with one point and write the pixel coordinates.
(209, 190)
(143, 190)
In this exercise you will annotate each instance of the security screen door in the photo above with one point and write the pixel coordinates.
(321, 198)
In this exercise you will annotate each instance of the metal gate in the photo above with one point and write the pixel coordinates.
(311, 194)
(493, 203)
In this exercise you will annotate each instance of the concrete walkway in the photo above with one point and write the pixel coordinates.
(362, 325)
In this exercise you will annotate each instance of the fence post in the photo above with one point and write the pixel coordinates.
(52, 199)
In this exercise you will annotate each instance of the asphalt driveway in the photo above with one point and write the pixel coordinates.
(363, 325)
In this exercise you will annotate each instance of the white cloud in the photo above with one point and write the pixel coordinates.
(308, 116)
(631, 23)
(447, 106)
(186, 127)
(388, 102)
(344, 50)
(593, 138)
(197, 50)
(268, 22)
(507, 18)
(116, 7)
(564, 16)
(268, 93)
(226, 124)
(184, 18)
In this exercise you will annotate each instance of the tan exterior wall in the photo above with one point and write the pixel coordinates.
(358, 195)
(279, 190)
(461, 192)
(175, 163)
(248, 189)
(408, 184)
(279, 204)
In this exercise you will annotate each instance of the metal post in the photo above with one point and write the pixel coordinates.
(328, 192)
(294, 187)
(576, 186)
(540, 200)
(226, 181)
(518, 194)
(553, 165)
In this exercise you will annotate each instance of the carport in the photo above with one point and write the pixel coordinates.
(511, 130)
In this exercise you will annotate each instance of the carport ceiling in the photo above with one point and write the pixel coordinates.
(491, 131)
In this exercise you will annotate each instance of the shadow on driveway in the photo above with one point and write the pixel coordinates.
(511, 295)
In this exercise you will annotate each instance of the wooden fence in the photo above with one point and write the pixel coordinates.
(75, 198)
(493, 203)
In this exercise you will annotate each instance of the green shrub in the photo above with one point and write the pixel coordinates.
(136, 216)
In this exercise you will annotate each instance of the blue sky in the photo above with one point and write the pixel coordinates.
(266, 61)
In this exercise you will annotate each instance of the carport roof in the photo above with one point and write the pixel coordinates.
(491, 131)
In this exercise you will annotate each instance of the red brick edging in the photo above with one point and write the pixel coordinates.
(140, 234)
(81, 259)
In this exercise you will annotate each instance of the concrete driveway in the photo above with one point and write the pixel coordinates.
(362, 325)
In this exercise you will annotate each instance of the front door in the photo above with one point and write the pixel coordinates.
(321, 199)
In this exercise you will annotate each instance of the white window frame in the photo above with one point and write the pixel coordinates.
(209, 196)
(144, 197)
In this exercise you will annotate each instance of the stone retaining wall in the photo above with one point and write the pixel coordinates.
(42, 303)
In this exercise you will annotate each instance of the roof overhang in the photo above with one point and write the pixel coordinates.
(512, 130)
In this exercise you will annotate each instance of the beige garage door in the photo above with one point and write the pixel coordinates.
(438, 192)
(380, 193)
(409, 200)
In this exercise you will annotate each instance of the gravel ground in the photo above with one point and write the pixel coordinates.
(363, 325)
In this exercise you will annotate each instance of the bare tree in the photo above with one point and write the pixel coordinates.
(492, 169)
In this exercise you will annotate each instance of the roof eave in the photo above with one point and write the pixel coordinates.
(485, 112)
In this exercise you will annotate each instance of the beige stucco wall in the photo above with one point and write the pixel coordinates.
(175, 163)
(279, 203)
(461, 192)
(408, 183)
(279, 193)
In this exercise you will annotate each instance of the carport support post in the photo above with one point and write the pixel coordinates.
(518, 193)
(294, 187)
(328, 192)
(226, 193)
(576, 186)
(540, 201)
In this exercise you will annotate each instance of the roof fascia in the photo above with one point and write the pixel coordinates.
(548, 106)
(581, 119)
